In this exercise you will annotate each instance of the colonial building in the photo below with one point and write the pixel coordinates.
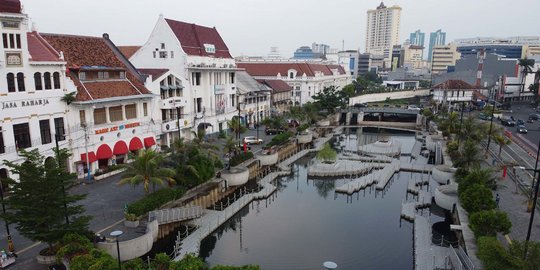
(255, 99)
(280, 95)
(111, 115)
(32, 114)
(199, 58)
(307, 79)
(453, 91)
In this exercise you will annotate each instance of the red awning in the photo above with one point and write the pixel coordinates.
(92, 156)
(120, 148)
(149, 141)
(104, 152)
(135, 144)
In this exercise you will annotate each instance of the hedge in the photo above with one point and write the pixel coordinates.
(154, 200)
(280, 139)
(239, 158)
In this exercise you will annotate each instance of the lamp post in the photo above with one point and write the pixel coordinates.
(116, 234)
(257, 110)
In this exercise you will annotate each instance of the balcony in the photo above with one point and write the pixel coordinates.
(173, 102)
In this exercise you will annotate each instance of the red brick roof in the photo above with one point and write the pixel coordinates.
(154, 72)
(453, 84)
(40, 50)
(272, 69)
(10, 6)
(129, 51)
(277, 85)
(192, 37)
(81, 51)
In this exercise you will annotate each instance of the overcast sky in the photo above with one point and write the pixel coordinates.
(251, 27)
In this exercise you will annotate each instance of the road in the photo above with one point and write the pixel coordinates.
(522, 110)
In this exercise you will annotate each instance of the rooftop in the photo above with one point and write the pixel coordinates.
(273, 69)
(277, 85)
(40, 50)
(10, 6)
(129, 51)
(453, 84)
(154, 72)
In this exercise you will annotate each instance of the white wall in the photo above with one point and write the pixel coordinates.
(391, 95)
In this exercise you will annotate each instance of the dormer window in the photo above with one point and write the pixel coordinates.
(122, 74)
(292, 73)
(82, 76)
(163, 46)
(103, 75)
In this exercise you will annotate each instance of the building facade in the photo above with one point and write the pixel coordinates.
(417, 38)
(444, 56)
(382, 30)
(33, 116)
(255, 99)
(349, 61)
(201, 60)
(437, 38)
(512, 47)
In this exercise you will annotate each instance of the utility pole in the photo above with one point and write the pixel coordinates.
(490, 128)
(257, 103)
(89, 176)
(60, 167)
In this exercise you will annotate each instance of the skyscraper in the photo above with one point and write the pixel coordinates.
(382, 30)
(417, 38)
(435, 39)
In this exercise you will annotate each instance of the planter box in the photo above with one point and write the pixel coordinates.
(46, 260)
(323, 123)
(305, 138)
(131, 224)
(236, 176)
(442, 173)
(267, 160)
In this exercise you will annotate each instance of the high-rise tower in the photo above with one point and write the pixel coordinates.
(382, 30)
(435, 39)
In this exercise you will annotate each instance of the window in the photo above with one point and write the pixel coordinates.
(163, 54)
(82, 76)
(11, 41)
(82, 117)
(2, 146)
(164, 115)
(8, 24)
(47, 79)
(56, 80)
(232, 100)
(45, 130)
(103, 75)
(196, 78)
(154, 53)
(145, 109)
(122, 74)
(18, 40)
(21, 132)
(20, 82)
(172, 54)
(232, 77)
(100, 116)
(5, 40)
(37, 81)
(59, 129)
(173, 114)
(291, 75)
(131, 111)
(163, 46)
(11, 82)
(199, 105)
(115, 114)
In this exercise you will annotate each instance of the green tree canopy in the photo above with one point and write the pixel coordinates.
(146, 169)
(327, 154)
(489, 223)
(330, 98)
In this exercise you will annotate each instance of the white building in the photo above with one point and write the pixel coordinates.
(382, 30)
(443, 57)
(306, 78)
(32, 114)
(111, 115)
(452, 91)
(255, 99)
(349, 61)
(200, 59)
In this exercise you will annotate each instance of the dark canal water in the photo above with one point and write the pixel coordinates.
(305, 223)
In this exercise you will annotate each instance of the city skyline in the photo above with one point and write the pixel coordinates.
(240, 21)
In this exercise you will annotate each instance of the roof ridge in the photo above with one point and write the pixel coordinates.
(47, 45)
(70, 35)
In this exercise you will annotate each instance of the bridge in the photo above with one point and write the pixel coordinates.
(171, 215)
(377, 97)
(385, 118)
(385, 110)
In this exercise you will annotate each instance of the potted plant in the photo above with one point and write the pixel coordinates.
(132, 221)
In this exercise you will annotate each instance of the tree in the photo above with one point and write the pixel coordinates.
(489, 223)
(501, 140)
(476, 198)
(526, 66)
(470, 155)
(330, 98)
(532, 261)
(349, 91)
(38, 202)
(327, 154)
(236, 126)
(424, 84)
(495, 257)
(146, 169)
(68, 98)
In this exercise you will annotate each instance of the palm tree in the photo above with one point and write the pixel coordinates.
(501, 140)
(68, 98)
(469, 154)
(146, 169)
(526, 66)
(199, 140)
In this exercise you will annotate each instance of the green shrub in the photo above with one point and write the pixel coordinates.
(495, 257)
(239, 158)
(73, 244)
(302, 127)
(135, 264)
(280, 139)
(96, 260)
(154, 200)
(476, 197)
(489, 223)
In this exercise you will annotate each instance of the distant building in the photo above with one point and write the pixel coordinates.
(322, 48)
(274, 53)
(382, 30)
(407, 55)
(437, 38)
(349, 61)
(370, 63)
(444, 56)
(417, 38)
(450, 92)
(303, 52)
(512, 47)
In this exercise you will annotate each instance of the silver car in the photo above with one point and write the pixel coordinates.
(252, 140)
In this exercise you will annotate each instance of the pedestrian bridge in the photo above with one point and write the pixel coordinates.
(171, 215)
(384, 110)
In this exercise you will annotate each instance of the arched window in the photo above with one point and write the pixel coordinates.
(11, 82)
(37, 81)
(20, 82)
(47, 78)
(56, 80)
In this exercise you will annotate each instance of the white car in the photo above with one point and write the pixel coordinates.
(252, 140)
(413, 107)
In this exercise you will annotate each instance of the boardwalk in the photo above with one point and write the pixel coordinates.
(426, 255)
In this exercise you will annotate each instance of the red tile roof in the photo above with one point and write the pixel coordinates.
(10, 6)
(154, 72)
(193, 37)
(277, 85)
(40, 50)
(81, 51)
(129, 51)
(453, 84)
(272, 69)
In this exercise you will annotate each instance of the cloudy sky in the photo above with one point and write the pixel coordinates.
(251, 27)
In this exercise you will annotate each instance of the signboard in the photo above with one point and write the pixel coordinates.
(24, 103)
(116, 128)
(219, 89)
(220, 104)
(210, 48)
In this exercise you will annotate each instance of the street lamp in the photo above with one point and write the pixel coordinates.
(116, 234)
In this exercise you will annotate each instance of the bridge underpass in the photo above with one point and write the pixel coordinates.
(384, 117)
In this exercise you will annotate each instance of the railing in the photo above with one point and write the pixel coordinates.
(460, 260)
(175, 214)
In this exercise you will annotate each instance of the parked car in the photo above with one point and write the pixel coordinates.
(530, 120)
(252, 140)
(483, 116)
(360, 105)
(522, 129)
(520, 122)
(534, 116)
(273, 131)
(413, 107)
(507, 122)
